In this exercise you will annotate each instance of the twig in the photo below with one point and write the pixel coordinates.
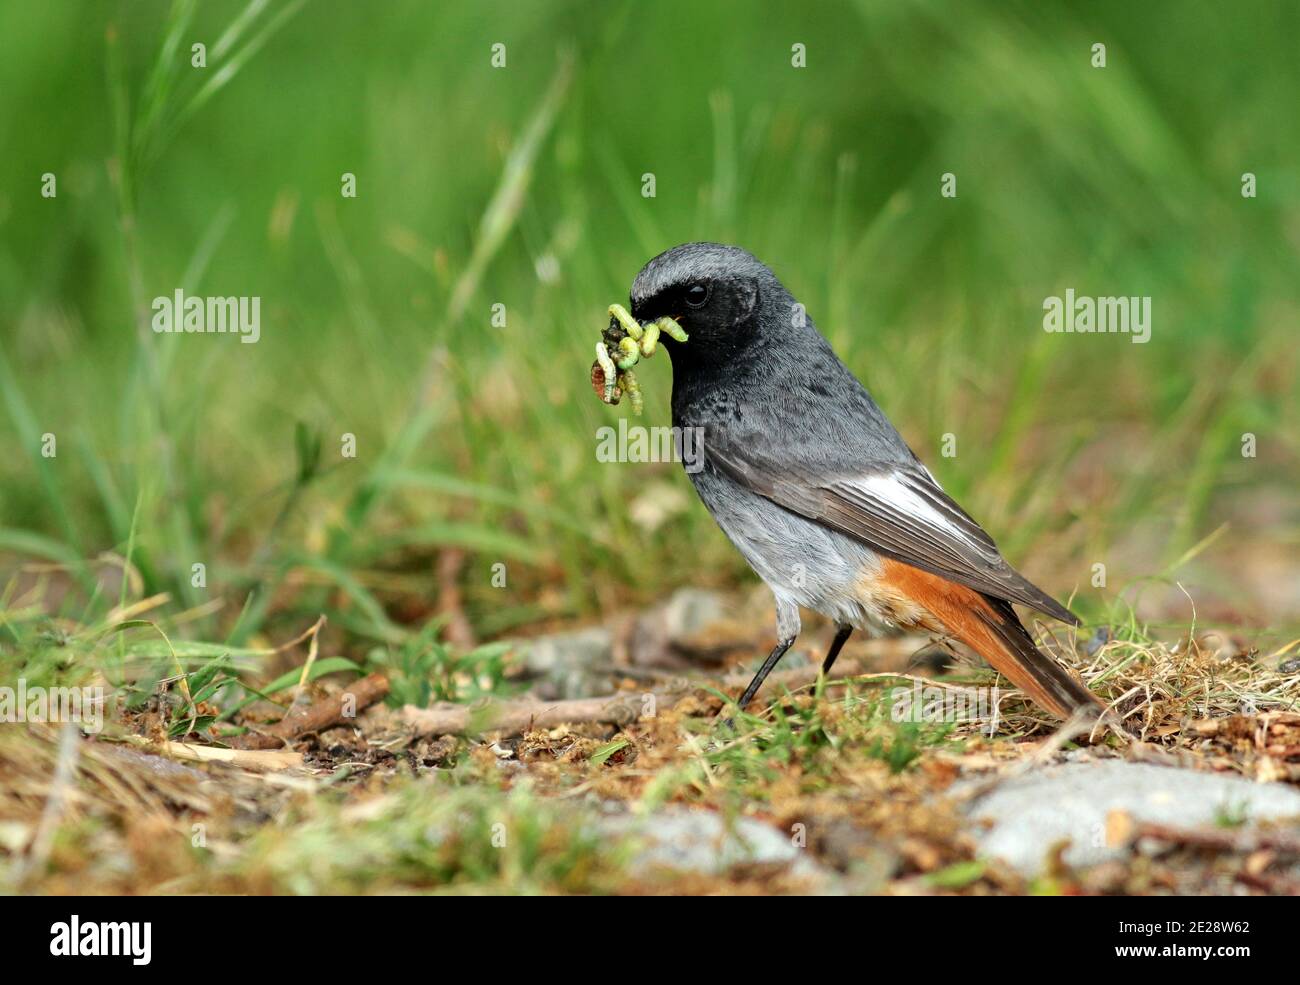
(450, 604)
(1043, 752)
(1241, 842)
(322, 715)
(311, 659)
(252, 759)
(513, 717)
(310, 631)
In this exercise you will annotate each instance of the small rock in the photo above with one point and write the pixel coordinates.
(675, 635)
(1026, 816)
(690, 610)
(701, 841)
(1098, 639)
(570, 665)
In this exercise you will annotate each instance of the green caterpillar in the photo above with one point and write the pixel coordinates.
(623, 344)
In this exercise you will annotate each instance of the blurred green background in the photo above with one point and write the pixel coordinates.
(522, 186)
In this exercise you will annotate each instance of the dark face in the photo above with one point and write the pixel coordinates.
(711, 290)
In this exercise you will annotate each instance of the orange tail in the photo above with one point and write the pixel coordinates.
(990, 627)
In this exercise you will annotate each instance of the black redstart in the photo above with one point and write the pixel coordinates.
(814, 486)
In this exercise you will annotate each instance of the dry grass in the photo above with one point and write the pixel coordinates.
(377, 808)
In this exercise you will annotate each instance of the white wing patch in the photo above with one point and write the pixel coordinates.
(897, 509)
(895, 492)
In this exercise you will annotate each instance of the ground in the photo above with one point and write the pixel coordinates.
(820, 789)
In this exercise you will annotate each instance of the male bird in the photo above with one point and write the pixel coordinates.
(814, 486)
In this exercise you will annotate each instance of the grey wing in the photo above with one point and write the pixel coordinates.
(894, 507)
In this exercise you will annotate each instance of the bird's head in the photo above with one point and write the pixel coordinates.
(715, 292)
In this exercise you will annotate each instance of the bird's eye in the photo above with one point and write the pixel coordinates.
(696, 295)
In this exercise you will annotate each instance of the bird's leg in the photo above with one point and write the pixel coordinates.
(772, 659)
(837, 644)
(787, 631)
